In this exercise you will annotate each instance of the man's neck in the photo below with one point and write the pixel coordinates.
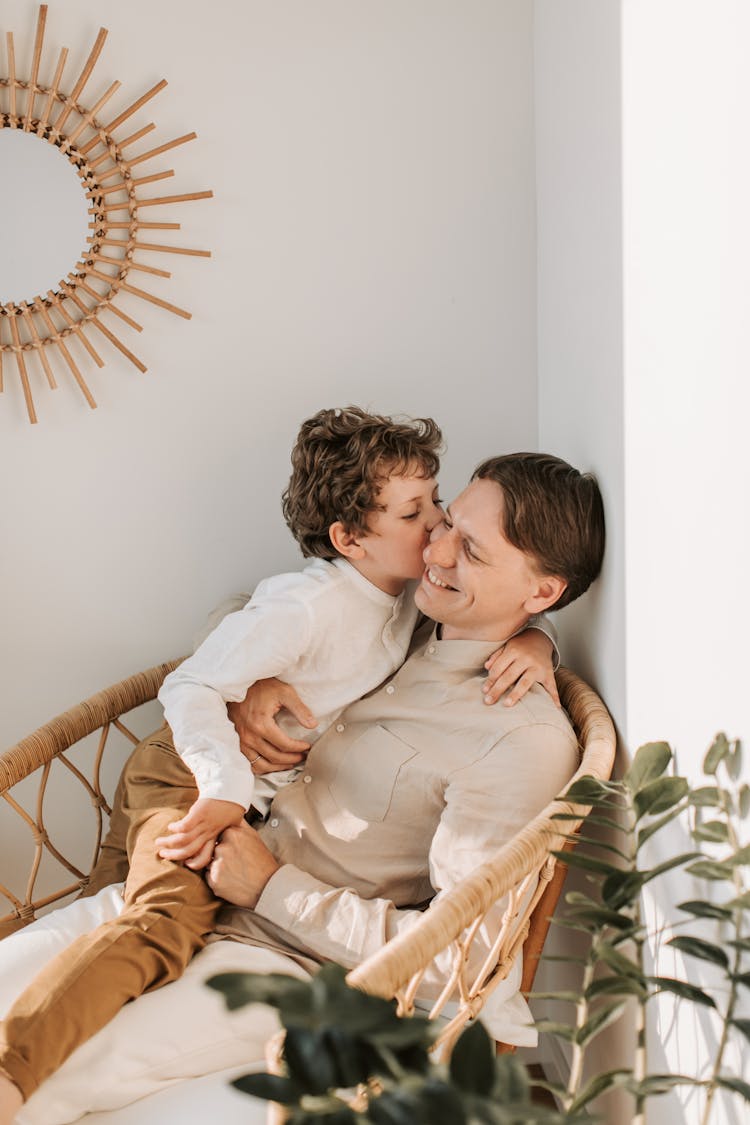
(504, 630)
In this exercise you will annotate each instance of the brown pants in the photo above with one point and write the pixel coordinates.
(169, 911)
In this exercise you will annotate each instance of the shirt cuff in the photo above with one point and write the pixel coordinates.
(236, 787)
(285, 895)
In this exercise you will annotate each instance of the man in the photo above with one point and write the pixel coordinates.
(418, 782)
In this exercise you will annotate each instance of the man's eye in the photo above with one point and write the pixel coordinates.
(470, 553)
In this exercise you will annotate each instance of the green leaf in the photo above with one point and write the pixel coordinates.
(650, 762)
(741, 902)
(718, 750)
(472, 1064)
(741, 978)
(737, 1085)
(740, 943)
(598, 1084)
(276, 989)
(660, 1084)
(617, 961)
(586, 909)
(561, 1030)
(682, 989)
(589, 791)
(709, 796)
(675, 861)
(655, 826)
(442, 1103)
(744, 797)
(511, 1082)
(593, 818)
(309, 1062)
(733, 760)
(740, 858)
(352, 1058)
(600, 845)
(702, 909)
(615, 986)
(563, 997)
(659, 795)
(606, 1015)
(710, 869)
(398, 1106)
(713, 831)
(743, 1026)
(585, 862)
(703, 950)
(622, 888)
(270, 1087)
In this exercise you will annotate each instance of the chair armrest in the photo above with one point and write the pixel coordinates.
(34, 755)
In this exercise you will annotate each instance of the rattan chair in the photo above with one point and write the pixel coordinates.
(523, 870)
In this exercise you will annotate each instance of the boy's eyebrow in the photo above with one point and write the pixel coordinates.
(414, 499)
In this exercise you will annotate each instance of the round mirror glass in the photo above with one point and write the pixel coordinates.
(45, 216)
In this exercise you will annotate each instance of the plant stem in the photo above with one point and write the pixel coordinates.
(582, 1014)
(640, 1058)
(736, 965)
(641, 1054)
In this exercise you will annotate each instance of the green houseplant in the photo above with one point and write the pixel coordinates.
(349, 1058)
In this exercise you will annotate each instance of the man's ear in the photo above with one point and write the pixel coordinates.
(549, 588)
(345, 542)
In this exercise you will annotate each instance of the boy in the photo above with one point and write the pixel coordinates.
(362, 500)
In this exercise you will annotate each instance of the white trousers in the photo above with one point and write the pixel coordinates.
(155, 1043)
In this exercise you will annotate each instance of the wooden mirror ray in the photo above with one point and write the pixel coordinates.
(113, 166)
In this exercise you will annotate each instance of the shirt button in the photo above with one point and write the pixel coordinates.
(339, 727)
(432, 650)
(390, 689)
(307, 779)
(274, 823)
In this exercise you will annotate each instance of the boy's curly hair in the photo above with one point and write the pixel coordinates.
(340, 461)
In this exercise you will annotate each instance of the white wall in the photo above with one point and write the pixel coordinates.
(373, 242)
(686, 186)
(643, 245)
(581, 372)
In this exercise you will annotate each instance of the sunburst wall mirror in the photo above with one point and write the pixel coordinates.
(46, 332)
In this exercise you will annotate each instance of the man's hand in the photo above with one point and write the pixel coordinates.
(262, 741)
(192, 839)
(241, 867)
(523, 661)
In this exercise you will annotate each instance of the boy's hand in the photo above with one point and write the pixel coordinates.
(192, 840)
(262, 741)
(524, 661)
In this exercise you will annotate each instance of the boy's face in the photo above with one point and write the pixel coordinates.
(396, 538)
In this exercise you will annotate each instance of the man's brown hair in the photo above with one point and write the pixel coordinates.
(341, 460)
(554, 514)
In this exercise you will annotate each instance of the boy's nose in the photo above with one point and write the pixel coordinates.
(434, 517)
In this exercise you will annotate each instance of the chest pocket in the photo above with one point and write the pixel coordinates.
(365, 778)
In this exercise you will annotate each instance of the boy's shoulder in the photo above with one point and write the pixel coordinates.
(318, 575)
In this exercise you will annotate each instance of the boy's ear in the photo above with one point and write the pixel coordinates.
(345, 542)
(550, 588)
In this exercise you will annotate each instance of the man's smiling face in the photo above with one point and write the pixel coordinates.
(477, 584)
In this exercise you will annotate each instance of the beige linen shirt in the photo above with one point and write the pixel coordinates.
(404, 795)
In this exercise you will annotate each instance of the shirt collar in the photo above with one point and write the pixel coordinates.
(465, 656)
(364, 585)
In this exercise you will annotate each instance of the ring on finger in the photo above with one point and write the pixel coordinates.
(255, 759)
